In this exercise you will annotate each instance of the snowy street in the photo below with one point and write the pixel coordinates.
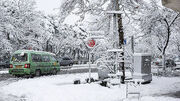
(89, 50)
(4, 74)
(61, 88)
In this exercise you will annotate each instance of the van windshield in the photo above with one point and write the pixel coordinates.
(19, 57)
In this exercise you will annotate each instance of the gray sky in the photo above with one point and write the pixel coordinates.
(48, 6)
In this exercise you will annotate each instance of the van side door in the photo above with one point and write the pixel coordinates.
(36, 62)
(46, 63)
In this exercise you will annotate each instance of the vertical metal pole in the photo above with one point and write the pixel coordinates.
(116, 62)
(132, 44)
(89, 67)
(127, 89)
(132, 60)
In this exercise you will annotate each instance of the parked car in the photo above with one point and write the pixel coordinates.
(4, 64)
(168, 62)
(177, 61)
(176, 71)
(65, 61)
(157, 62)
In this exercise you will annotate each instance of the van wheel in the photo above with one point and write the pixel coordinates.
(54, 72)
(38, 73)
(31, 75)
(17, 76)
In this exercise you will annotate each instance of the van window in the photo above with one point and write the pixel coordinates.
(36, 58)
(19, 58)
(53, 58)
(45, 58)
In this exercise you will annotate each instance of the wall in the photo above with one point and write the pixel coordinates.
(173, 4)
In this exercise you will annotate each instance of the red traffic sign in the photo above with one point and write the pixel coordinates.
(91, 43)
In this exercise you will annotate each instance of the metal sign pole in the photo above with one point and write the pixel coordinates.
(89, 67)
(91, 44)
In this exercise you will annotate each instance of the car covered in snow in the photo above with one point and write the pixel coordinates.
(168, 62)
(66, 61)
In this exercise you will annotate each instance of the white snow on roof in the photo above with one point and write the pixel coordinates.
(35, 51)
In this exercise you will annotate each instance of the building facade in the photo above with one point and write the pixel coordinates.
(173, 4)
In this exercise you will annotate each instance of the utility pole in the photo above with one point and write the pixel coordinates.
(113, 23)
(121, 41)
(117, 20)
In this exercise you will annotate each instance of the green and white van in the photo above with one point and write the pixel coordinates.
(33, 63)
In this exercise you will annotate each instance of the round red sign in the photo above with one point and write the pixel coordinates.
(91, 43)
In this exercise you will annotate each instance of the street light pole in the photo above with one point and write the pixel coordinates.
(89, 67)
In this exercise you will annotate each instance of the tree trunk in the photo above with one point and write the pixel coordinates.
(167, 41)
(163, 62)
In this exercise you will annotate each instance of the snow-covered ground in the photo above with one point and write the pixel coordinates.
(61, 88)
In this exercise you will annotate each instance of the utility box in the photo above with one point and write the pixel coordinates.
(142, 67)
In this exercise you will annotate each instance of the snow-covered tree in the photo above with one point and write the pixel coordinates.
(21, 26)
(159, 23)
